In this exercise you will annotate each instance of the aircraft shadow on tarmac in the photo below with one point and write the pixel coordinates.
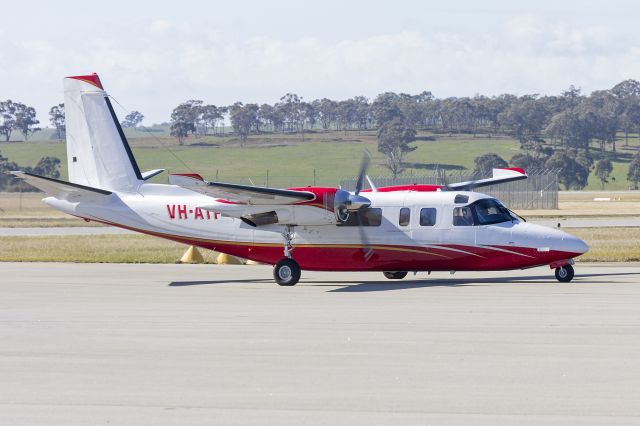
(371, 286)
(454, 282)
(189, 283)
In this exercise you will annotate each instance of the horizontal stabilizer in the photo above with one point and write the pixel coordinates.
(241, 194)
(151, 173)
(61, 189)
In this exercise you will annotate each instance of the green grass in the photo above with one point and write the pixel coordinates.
(89, 249)
(610, 244)
(290, 162)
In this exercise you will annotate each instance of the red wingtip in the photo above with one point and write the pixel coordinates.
(191, 175)
(91, 79)
(515, 169)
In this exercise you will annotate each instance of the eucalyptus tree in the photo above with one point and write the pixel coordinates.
(244, 119)
(7, 118)
(133, 119)
(394, 138)
(486, 162)
(25, 120)
(183, 120)
(326, 111)
(603, 169)
(57, 119)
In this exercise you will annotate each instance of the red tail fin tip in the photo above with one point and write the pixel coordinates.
(92, 79)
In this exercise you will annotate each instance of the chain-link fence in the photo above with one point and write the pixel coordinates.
(539, 191)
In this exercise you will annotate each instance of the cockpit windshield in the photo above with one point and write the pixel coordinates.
(490, 211)
(483, 212)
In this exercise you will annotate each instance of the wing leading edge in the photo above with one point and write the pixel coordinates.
(499, 176)
(241, 194)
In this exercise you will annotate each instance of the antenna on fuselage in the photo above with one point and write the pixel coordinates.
(374, 188)
(442, 178)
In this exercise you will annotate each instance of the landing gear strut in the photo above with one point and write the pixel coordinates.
(287, 271)
(395, 275)
(564, 274)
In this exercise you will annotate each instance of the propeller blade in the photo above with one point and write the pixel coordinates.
(367, 250)
(366, 159)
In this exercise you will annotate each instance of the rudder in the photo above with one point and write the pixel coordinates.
(98, 153)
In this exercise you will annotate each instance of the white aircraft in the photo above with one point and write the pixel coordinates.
(393, 230)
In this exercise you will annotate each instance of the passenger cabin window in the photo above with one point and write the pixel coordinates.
(367, 217)
(405, 216)
(427, 216)
(462, 216)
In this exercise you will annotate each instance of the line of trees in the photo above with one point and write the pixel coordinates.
(572, 118)
(556, 132)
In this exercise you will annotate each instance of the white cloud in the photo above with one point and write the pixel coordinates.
(154, 66)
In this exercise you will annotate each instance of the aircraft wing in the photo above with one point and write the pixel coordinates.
(499, 176)
(59, 188)
(241, 194)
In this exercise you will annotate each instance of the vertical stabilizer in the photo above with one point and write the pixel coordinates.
(98, 153)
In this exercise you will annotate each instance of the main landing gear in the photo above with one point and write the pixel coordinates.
(564, 274)
(287, 271)
(395, 275)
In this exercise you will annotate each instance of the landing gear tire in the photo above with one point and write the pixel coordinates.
(396, 275)
(286, 272)
(564, 274)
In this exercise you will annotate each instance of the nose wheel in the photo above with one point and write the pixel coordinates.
(286, 272)
(564, 274)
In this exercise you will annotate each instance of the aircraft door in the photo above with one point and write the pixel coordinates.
(460, 226)
(426, 223)
(401, 219)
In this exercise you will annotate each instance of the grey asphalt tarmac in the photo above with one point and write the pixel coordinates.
(218, 344)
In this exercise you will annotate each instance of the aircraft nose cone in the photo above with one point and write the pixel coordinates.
(574, 244)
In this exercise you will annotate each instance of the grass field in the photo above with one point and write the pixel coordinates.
(290, 162)
(606, 245)
(94, 248)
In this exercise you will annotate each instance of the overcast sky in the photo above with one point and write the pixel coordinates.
(153, 55)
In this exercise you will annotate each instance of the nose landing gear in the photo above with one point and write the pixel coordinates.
(395, 275)
(564, 274)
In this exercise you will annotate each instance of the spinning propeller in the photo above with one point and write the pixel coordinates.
(346, 203)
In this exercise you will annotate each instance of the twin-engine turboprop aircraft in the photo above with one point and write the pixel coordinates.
(393, 229)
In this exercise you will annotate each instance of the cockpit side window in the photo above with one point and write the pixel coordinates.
(462, 216)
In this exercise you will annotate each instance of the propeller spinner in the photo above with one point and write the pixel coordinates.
(346, 202)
